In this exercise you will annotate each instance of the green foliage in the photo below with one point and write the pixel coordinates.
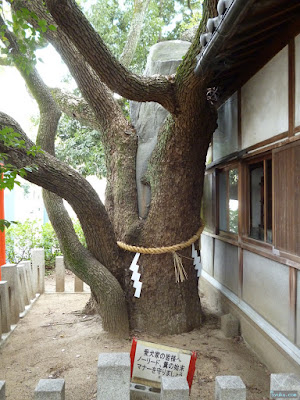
(21, 238)
(80, 147)
(26, 36)
(163, 22)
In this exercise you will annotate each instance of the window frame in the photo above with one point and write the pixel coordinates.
(246, 199)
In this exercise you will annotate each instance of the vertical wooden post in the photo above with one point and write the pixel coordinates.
(2, 234)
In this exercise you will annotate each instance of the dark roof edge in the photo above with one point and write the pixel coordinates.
(236, 11)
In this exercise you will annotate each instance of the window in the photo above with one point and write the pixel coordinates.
(228, 200)
(287, 198)
(260, 198)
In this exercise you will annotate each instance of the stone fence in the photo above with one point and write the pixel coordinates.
(20, 286)
(60, 275)
(114, 383)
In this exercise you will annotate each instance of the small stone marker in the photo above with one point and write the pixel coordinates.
(78, 284)
(150, 362)
(229, 325)
(10, 274)
(288, 385)
(38, 270)
(4, 305)
(229, 388)
(174, 388)
(113, 376)
(2, 390)
(50, 389)
(60, 273)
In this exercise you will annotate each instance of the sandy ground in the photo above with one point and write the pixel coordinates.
(55, 340)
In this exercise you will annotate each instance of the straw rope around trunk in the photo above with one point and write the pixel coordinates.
(180, 273)
(161, 250)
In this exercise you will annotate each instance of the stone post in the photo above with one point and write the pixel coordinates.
(50, 389)
(23, 287)
(229, 325)
(60, 273)
(113, 376)
(4, 305)
(78, 284)
(230, 388)
(28, 277)
(38, 270)
(285, 383)
(2, 390)
(175, 388)
(10, 274)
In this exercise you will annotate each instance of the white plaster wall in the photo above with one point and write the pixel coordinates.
(226, 270)
(266, 289)
(264, 101)
(297, 102)
(225, 139)
(207, 253)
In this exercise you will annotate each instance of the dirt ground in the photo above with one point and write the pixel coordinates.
(55, 340)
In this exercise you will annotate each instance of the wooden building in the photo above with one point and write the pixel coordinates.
(251, 243)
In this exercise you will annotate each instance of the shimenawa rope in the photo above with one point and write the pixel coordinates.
(180, 273)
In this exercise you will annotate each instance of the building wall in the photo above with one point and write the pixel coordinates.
(264, 108)
(254, 278)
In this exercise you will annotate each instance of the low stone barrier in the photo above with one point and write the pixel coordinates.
(114, 383)
(20, 286)
(60, 273)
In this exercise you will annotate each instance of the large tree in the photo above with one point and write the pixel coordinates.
(175, 172)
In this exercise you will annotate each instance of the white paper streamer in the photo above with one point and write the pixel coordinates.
(135, 277)
(197, 260)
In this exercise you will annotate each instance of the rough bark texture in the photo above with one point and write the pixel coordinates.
(175, 174)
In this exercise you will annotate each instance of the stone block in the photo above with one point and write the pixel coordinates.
(78, 284)
(38, 270)
(229, 388)
(229, 325)
(50, 389)
(2, 390)
(28, 278)
(24, 295)
(175, 388)
(4, 305)
(10, 274)
(284, 383)
(142, 392)
(113, 376)
(60, 273)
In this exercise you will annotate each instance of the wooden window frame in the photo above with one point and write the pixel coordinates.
(245, 200)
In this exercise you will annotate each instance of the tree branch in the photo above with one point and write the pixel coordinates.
(62, 180)
(75, 107)
(140, 8)
(117, 132)
(71, 20)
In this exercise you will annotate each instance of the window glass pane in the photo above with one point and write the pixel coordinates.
(233, 200)
(257, 201)
(223, 201)
(228, 201)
